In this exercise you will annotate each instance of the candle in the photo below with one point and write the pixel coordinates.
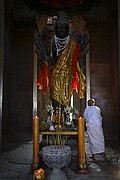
(35, 142)
(81, 143)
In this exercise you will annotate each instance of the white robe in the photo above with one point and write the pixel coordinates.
(92, 116)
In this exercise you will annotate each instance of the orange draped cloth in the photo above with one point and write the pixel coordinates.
(78, 81)
(65, 76)
(43, 80)
(74, 67)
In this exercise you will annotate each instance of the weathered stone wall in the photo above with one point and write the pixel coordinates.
(103, 72)
(18, 80)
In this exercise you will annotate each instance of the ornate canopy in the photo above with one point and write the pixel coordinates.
(51, 7)
(63, 3)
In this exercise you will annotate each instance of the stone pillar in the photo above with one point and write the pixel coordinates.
(34, 82)
(1, 60)
(87, 77)
(119, 55)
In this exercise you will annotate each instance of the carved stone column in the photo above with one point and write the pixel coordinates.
(34, 82)
(1, 60)
(119, 54)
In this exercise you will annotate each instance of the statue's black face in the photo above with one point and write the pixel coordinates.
(62, 30)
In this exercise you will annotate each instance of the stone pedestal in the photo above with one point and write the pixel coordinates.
(56, 157)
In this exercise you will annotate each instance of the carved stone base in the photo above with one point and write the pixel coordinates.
(57, 174)
(56, 157)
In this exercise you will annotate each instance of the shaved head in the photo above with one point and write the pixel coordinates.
(91, 102)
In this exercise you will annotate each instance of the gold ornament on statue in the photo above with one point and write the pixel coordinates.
(61, 76)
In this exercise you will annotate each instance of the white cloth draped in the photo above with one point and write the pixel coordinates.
(92, 116)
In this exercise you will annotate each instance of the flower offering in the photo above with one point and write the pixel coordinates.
(39, 174)
(49, 109)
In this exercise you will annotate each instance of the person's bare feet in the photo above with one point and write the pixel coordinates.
(92, 157)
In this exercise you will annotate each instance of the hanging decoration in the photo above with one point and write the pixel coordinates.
(51, 7)
(43, 80)
(61, 43)
(61, 3)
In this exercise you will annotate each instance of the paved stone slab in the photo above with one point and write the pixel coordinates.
(15, 163)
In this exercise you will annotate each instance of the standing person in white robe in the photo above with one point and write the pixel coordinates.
(93, 119)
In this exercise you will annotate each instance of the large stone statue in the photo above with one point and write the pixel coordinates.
(65, 56)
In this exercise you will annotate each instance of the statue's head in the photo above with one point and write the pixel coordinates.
(62, 25)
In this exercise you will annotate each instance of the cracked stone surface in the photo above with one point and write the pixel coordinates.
(15, 163)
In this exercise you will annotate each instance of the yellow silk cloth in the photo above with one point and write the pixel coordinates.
(61, 76)
(81, 82)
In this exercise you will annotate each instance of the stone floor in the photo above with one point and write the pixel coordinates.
(16, 160)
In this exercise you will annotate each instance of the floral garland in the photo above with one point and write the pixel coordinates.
(71, 109)
(49, 109)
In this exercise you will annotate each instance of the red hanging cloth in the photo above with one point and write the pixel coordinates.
(43, 80)
(74, 67)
